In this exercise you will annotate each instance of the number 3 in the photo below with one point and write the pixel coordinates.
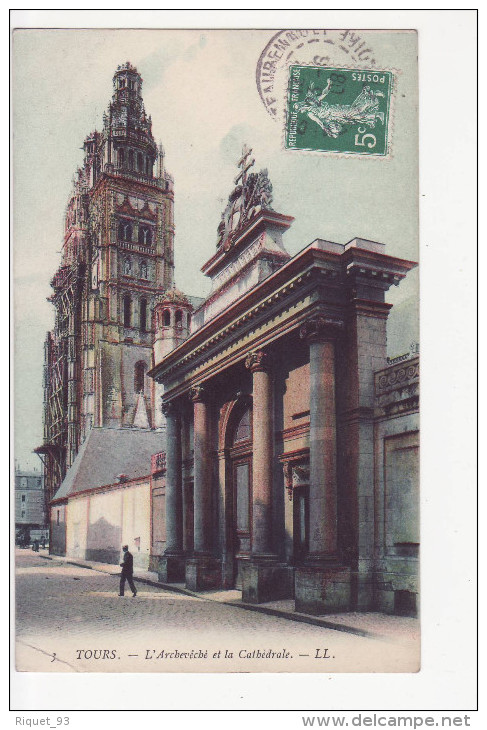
(364, 137)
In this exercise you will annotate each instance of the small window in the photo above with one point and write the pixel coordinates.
(23, 498)
(139, 376)
(167, 318)
(143, 315)
(140, 162)
(121, 157)
(179, 318)
(189, 320)
(23, 513)
(57, 518)
(127, 306)
(131, 159)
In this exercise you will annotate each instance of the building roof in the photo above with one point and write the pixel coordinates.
(108, 453)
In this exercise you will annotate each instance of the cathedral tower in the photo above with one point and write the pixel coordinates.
(117, 258)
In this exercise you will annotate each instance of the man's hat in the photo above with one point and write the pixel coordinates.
(125, 547)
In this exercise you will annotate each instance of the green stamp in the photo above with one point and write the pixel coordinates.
(338, 110)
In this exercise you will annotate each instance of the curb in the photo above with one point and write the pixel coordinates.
(297, 617)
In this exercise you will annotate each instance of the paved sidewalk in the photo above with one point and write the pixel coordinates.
(371, 624)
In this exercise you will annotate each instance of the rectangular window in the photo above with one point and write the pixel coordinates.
(23, 498)
(57, 518)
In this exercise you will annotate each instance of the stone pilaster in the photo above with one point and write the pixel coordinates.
(171, 566)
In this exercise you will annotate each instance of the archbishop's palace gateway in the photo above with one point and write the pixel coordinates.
(256, 439)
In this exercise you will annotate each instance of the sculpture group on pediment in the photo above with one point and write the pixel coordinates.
(252, 193)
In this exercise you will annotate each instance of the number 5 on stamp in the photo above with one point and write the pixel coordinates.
(338, 110)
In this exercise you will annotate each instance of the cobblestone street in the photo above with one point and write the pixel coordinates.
(70, 619)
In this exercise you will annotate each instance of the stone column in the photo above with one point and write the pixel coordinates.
(174, 542)
(321, 332)
(262, 427)
(171, 567)
(322, 585)
(202, 495)
(202, 570)
(263, 578)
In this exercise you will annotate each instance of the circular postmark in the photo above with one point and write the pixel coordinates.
(317, 47)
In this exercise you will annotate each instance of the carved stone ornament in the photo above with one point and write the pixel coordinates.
(252, 193)
(296, 473)
(167, 407)
(258, 361)
(320, 328)
(197, 394)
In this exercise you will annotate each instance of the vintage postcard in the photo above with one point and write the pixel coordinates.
(216, 311)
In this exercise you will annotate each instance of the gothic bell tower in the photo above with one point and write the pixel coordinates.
(118, 257)
(132, 240)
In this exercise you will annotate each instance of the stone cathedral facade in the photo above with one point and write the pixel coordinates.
(282, 459)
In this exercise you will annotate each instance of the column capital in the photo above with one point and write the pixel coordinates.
(198, 393)
(320, 328)
(258, 361)
(168, 407)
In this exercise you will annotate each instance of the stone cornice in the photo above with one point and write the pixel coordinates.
(310, 267)
(253, 228)
(287, 281)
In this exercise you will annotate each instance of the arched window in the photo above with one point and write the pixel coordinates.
(147, 166)
(179, 318)
(139, 376)
(121, 157)
(145, 235)
(243, 429)
(143, 315)
(131, 159)
(127, 267)
(143, 269)
(140, 162)
(127, 311)
(125, 231)
(167, 318)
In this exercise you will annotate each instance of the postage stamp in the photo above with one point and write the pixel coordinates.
(338, 110)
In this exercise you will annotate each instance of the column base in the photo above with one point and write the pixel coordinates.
(264, 580)
(203, 573)
(322, 589)
(171, 569)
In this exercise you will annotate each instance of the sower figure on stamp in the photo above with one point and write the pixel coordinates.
(127, 572)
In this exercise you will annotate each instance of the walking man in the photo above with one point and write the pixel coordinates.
(127, 572)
